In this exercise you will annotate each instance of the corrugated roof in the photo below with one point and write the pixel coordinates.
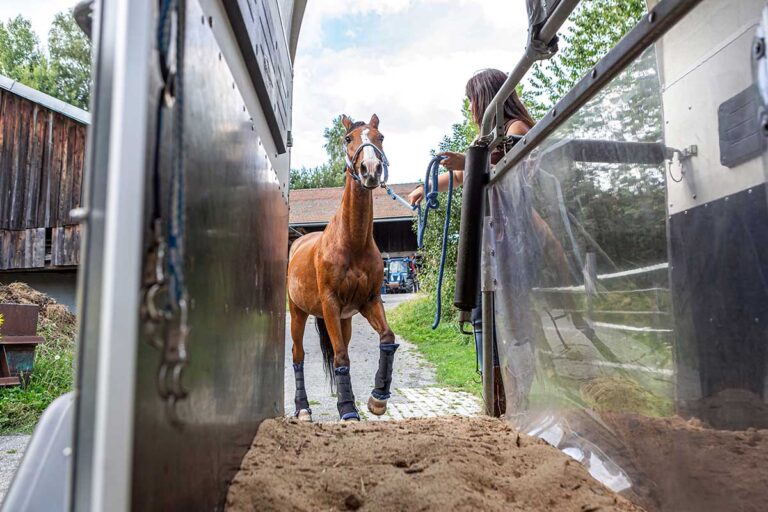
(44, 100)
(319, 205)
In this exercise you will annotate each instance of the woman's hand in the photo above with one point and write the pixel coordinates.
(453, 161)
(416, 196)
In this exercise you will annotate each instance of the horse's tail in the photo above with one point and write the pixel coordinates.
(326, 347)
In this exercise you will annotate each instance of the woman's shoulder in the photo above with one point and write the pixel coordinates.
(517, 127)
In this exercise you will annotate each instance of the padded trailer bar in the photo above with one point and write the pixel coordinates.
(654, 25)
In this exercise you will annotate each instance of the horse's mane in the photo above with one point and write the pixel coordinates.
(356, 124)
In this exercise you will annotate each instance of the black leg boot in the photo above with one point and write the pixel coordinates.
(346, 398)
(303, 412)
(377, 403)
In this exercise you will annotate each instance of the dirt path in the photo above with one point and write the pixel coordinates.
(415, 391)
(448, 463)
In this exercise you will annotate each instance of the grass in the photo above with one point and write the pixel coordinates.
(452, 353)
(52, 374)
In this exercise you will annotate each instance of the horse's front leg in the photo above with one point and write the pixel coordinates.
(374, 313)
(339, 331)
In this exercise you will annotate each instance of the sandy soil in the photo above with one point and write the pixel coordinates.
(448, 463)
(678, 465)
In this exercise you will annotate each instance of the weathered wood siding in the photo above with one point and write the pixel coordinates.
(41, 177)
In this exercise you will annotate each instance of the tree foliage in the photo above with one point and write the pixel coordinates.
(70, 57)
(596, 27)
(316, 177)
(331, 173)
(622, 206)
(64, 73)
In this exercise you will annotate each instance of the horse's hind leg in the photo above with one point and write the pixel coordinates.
(298, 323)
(374, 313)
(339, 331)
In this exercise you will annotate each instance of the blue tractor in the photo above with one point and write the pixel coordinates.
(399, 276)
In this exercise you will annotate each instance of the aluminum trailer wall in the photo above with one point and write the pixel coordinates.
(129, 453)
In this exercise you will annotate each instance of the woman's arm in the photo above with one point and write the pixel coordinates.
(417, 195)
(454, 162)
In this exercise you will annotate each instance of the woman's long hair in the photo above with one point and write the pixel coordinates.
(481, 89)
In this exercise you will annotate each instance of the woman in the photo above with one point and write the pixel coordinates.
(480, 90)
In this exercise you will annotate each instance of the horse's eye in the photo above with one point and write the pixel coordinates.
(348, 139)
(381, 138)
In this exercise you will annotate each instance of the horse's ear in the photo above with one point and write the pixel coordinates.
(374, 122)
(347, 122)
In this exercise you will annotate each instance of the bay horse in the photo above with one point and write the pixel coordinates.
(337, 273)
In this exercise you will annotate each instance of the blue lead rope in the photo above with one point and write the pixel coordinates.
(432, 203)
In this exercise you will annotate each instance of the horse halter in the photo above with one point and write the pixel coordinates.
(379, 154)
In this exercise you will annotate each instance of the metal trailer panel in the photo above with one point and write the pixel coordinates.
(712, 46)
(717, 211)
(627, 290)
(242, 69)
(236, 255)
(264, 46)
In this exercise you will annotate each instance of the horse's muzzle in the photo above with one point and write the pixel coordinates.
(370, 172)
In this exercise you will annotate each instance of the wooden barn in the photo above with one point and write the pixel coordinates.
(42, 148)
(312, 208)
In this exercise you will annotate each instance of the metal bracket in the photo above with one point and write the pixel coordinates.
(488, 258)
(465, 317)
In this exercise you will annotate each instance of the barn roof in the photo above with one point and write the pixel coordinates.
(44, 100)
(318, 205)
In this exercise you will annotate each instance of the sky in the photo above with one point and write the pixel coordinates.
(39, 12)
(405, 60)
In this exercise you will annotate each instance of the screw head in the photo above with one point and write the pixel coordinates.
(758, 48)
(764, 124)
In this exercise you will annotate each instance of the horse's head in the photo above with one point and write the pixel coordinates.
(366, 161)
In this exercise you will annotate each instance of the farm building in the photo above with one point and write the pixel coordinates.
(313, 208)
(42, 148)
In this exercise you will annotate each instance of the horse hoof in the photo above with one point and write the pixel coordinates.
(376, 406)
(304, 415)
(351, 416)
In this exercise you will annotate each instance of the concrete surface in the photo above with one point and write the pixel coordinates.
(414, 390)
(11, 451)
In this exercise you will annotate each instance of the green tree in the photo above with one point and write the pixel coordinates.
(21, 58)
(620, 205)
(334, 136)
(331, 173)
(70, 60)
(461, 136)
(316, 177)
(64, 74)
(596, 27)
